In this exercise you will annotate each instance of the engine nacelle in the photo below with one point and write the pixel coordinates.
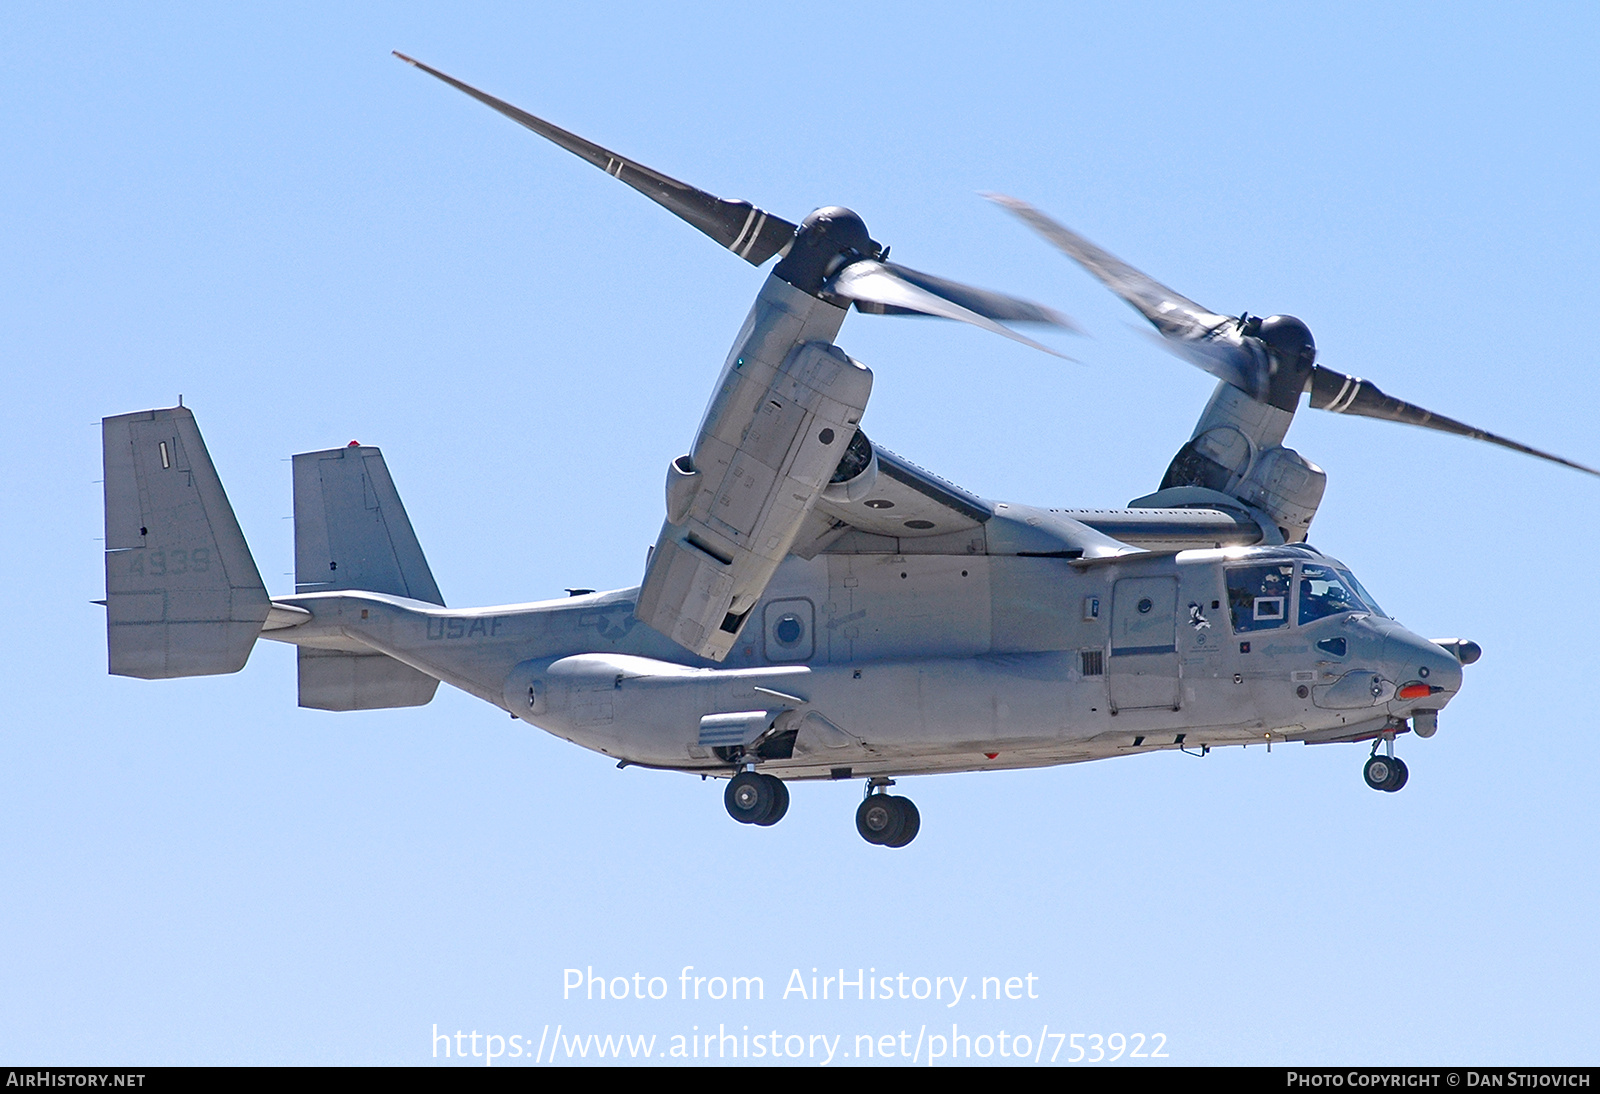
(1237, 450)
(1287, 487)
(772, 438)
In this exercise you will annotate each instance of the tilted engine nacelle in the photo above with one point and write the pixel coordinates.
(1236, 453)
(771, 440)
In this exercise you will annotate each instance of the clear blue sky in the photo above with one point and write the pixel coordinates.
(313, 243)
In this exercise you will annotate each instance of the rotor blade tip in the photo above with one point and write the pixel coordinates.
(403, 57)
(1004, 200)
(1066, 323)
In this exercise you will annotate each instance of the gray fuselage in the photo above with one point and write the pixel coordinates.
(859, 664)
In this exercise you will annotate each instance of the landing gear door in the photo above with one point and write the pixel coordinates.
(1142, 672)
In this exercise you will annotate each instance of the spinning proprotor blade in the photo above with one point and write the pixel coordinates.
(835, 257)
(1272, 360)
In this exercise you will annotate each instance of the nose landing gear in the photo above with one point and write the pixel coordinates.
(884, 819)
(1387, 772)
(752, 798)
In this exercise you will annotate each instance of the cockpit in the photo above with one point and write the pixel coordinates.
(1268, 593)
(1325, 657)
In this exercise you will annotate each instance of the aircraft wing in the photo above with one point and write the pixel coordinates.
(893, 499)
(897, 499)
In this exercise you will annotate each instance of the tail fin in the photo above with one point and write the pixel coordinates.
(351, 532)
(183, 595)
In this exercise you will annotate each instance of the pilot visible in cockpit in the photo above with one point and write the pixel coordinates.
(1258, 596)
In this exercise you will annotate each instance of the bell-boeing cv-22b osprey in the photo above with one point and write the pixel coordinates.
(817, 607)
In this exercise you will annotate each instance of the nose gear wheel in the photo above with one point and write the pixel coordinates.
(1387, 773)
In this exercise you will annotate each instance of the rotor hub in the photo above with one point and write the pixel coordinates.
(1293, 355)
(1289, 338)
(829, 239)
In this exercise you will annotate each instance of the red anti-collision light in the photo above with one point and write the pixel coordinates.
(1415, 691)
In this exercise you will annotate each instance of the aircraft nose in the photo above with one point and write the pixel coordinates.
(1414, 663)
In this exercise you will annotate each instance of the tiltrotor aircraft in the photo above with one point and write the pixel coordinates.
(816, 606)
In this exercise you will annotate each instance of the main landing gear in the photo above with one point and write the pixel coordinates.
(752, 798)
(1387, 772)
(885, 819)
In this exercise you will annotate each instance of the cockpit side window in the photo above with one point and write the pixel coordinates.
(1324, 591)
(1258, 596)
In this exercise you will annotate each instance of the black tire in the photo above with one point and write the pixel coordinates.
(780, 801)
(749, 798)
(913, 823)
(880, 819)
(1379, 772)
(1401, 774)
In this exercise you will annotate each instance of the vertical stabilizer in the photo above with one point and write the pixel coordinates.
(183, 596)
(350, 530)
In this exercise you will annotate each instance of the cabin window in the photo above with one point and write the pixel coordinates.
(788, 626)
(1258, 596)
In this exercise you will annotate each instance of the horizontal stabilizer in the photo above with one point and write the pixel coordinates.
(334, 680)
(350, 530)
(183, 596)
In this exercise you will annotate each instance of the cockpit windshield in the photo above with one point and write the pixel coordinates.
(1359, 590)
(1325, 591)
